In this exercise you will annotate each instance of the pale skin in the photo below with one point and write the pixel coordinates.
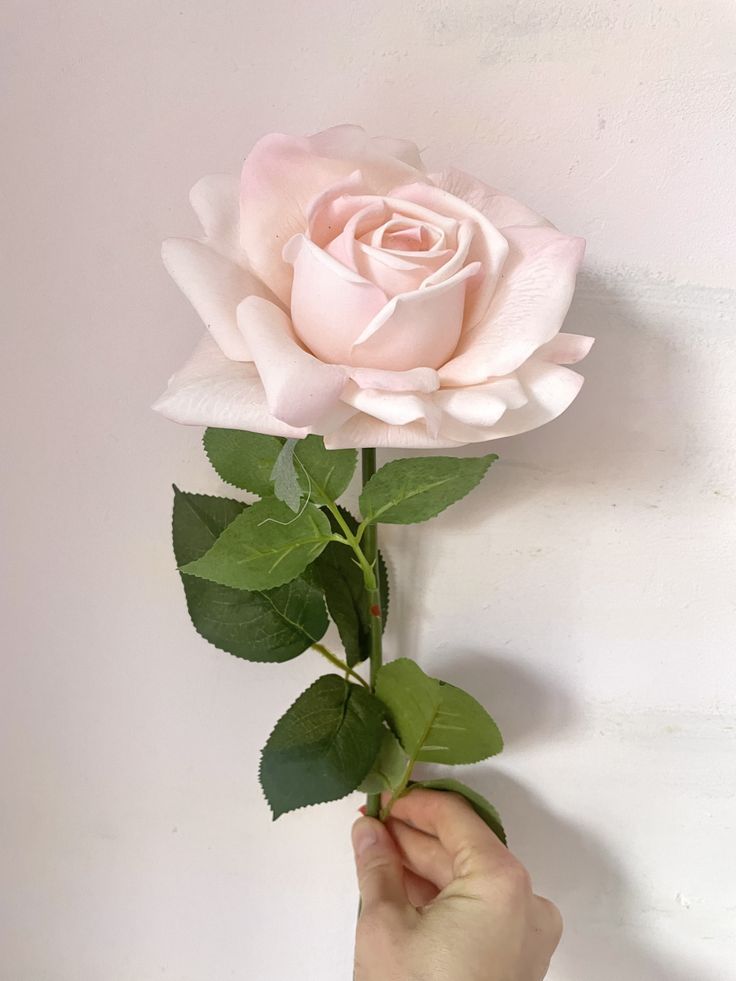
(443, 900)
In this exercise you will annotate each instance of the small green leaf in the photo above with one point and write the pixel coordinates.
(323, 746)
(243, 459)
(273, 625)
(326, 473)
(480, 805)
(435, 721)
(286, 486)
(389, 769)
(342, 581)
(264, 547)
(406, 491)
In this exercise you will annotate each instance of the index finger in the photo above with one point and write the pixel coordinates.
(471, 845)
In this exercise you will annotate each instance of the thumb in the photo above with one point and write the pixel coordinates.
(379, 866)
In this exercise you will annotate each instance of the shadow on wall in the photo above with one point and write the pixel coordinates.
(626, 437)
(628, 429)
(599, 901)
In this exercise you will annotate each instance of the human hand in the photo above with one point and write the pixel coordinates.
(444, 900)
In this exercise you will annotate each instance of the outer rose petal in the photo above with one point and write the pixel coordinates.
(416, 329)
(550, 389)
(300, 390)
(482, 406)
(566, 348)
(527, 309)
(330, 304)
(215, 200)
(282, 174)
(363, 430)
(395, 408)
(214, 286)
(403, 150)
(499, 208)
(212, 390)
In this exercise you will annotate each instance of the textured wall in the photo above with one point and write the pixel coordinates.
(587, 591)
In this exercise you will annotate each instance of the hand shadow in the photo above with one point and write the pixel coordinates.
(598, 903)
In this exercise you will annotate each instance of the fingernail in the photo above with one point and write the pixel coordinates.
(364, 836)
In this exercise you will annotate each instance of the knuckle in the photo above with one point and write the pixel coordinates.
(514, 880)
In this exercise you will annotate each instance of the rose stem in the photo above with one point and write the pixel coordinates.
(370, 550)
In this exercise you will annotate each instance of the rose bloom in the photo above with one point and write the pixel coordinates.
(348, 293)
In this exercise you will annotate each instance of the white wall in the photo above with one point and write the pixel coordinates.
(586, 593)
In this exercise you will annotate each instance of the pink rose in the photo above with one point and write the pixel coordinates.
(348, 293)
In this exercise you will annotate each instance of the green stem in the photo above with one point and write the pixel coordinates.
(334, 659)
(373, 589)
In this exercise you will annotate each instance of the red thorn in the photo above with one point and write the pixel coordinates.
(362, 810)
(375, 610)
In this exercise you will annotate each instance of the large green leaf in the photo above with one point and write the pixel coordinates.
(480, 805)
(324, 474)
(323, 746)
(415, 489)
(264, 547)
(389, 768)
(273, 625)
(342, 581)
(435, 721)
(243, 459)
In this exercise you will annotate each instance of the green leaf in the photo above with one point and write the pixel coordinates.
(264, 547)
(480, 805)
(243, 459)
(389, 768)
(272, 625)
(286, 486)
(326, 473)
(197, 522)
(323, 746)
(406, 491)
(435, 721)
(342, 582)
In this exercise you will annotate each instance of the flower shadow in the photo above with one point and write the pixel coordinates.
(622, 429)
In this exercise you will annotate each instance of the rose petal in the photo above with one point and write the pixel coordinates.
(566, 348)
(414, 380)
(395, 408)
(212, 390)
(282, 174)
(550, 389)
(214, 285)
(488, 245)
(216, 205)
(396, 274)
(482, 406)
(415, 329)
(299, 388)
(527, 309)
(363, 430)
(403, 150)
(499, 208)
(330, 304)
